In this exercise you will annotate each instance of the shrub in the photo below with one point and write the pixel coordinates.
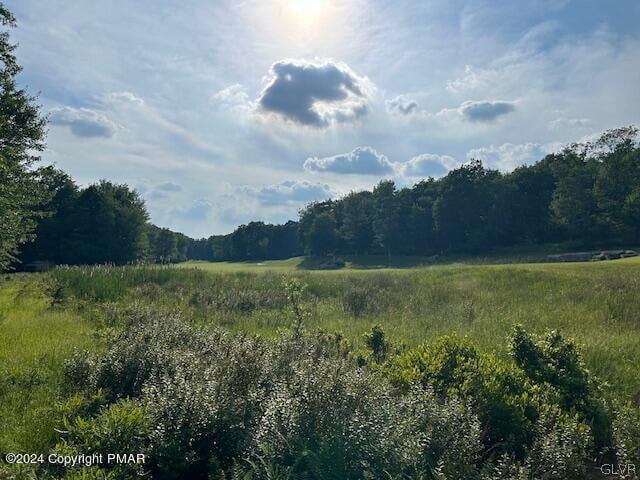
(332, 421)
(626, 434)
(377, 343)
(500, 394)
(553, 361)
(210, 404)
(118, 428)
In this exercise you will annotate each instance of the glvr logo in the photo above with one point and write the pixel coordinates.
(623, 470)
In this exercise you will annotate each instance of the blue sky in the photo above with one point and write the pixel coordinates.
(220, 112)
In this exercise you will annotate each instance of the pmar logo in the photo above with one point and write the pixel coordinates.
(623, 470)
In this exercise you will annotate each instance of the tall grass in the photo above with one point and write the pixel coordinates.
(103, 282)
(35, 339)
(596, 304)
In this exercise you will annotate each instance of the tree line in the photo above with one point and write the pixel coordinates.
(587, 194)
(108, 223)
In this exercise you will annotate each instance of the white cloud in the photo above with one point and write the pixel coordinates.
(428, 165)
(569, 123)
(233, 98)
(508, 156)
(288, 193)
(362, 161)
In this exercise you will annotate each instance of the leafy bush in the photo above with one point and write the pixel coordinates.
(299, 405)
(118, 428)
(553, 361)
(331, 421)
(506, 403)
(210, 404)
(377, 343)
(626, 434)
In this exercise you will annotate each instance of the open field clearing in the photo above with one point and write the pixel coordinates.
(595, 303)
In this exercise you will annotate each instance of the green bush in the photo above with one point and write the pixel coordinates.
(505, 401)
(626, 434)
(298, 405)
(118, 428)
(210, 404)
(553, 362)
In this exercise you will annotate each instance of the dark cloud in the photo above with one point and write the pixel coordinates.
(402, 105)
(315, 95)
(83, 122)
(485, 111)
(428, 165)
(362, 160)
(289, 192)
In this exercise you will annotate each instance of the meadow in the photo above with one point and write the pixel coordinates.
(595, 303)
(47, 320)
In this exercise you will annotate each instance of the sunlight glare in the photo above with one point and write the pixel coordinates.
(306, 9)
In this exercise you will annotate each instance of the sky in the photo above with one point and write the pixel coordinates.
(220, 112)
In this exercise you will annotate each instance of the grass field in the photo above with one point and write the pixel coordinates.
(35, 339)
(596, 304)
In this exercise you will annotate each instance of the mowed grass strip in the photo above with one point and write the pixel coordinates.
(35, 339)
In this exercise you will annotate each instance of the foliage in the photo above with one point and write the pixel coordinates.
(554, 362)
(626, 433)
(217, 404)
(118, 428)
(22, 133)
(586, 193)
(377, 343)
(211, 399)
(295, 290)
(506, 403)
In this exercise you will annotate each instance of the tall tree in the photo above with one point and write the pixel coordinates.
(53, 230)
(323, 235)
(617, 183)
(22, 132)
(573, 205)
(110, 225)
(165, 248)
(357, 225)
(386, 216)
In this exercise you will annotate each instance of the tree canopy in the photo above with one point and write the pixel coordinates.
(22, 134)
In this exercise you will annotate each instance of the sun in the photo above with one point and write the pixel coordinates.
(307, 9)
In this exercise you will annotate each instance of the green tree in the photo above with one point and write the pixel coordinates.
(357, 226)
(573, 205)
(52, 233)
(462, 212)
(617, 183)
(386, 216)
(165, 250)
(22, 132)
(110, 225)
(323, 235)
